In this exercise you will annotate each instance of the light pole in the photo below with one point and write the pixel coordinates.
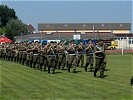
(21, 36)
(94, 31)
(41, 36)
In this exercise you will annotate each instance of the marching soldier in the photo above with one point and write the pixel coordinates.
(35, 54)
(51, 58)
(23, 53)
(28, 50)
(12, 52)
(105, 61)
(100, 58)
(89, 56)
(56, 53)
(8, 52)
(61, 55)
(80, 54)
(71, 57)
(20, 53)
(43, 57)
(16, 51)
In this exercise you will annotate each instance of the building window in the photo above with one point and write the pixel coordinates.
(130, 41)
(84, 25)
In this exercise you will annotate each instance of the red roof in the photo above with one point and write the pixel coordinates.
(30, 28)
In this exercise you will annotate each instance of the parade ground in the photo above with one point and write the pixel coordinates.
(19, 82)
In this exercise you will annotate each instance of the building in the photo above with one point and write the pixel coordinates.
(65, 31)
(83, 28)
(30, 28)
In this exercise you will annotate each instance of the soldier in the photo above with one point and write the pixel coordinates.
(56, 53)
(71, 56)
(16, 54)
(1, 52)
(51, 58)
(8, 52)
(43, 57)
(89, 56)
(12, 52)
(28, 50)
(80, 55)
(35, 54)
(24, 53)
(105, 57)
(61, 55)
(20, 53)
(100, 58)
(4, 52)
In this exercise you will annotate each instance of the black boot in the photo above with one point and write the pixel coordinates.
(101, 76)
(74, 70)
(95, 74)
(48, 69)
(53, 72)
(85, 68)
(34, 65)
(69, 68)
(59, 65)
(90, 70)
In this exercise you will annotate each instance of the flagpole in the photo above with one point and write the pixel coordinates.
(94, 31)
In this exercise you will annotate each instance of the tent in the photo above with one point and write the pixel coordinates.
(4, 39)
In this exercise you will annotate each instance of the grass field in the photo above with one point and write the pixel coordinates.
(18, 82)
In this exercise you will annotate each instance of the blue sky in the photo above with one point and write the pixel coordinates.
(68, 11)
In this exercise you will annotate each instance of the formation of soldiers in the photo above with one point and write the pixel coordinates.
(52, 56)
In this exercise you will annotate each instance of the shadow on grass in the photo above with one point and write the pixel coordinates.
(57, 72)
(106, 69)
(77, 71)
(103, 76)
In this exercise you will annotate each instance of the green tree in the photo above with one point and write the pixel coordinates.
(2, 30)
(15, 27)
(6, 14)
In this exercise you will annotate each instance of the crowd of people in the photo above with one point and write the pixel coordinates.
(57, 56)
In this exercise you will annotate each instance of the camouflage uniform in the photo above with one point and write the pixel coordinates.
(0, 51)
(100, 57)
(89, 56)
(71, 57)
(61, 55)
(23, 54)
(28, 50)
(8, 53)
(35, 56)
(80, 56)
(20, 54)
(16, 54)
(12, 53)
(105, 62)
(43, 58)
(51, 57)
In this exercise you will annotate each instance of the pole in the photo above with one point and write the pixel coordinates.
(122, 46)
(94, 31)
(41, 37)
(21, 37)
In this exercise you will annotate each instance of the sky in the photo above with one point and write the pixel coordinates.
(72, 11)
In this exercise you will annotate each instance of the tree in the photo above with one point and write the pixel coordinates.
(15, 27)
(6, 14)
(2, 30)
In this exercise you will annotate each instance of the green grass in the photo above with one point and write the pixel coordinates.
(18, 82)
